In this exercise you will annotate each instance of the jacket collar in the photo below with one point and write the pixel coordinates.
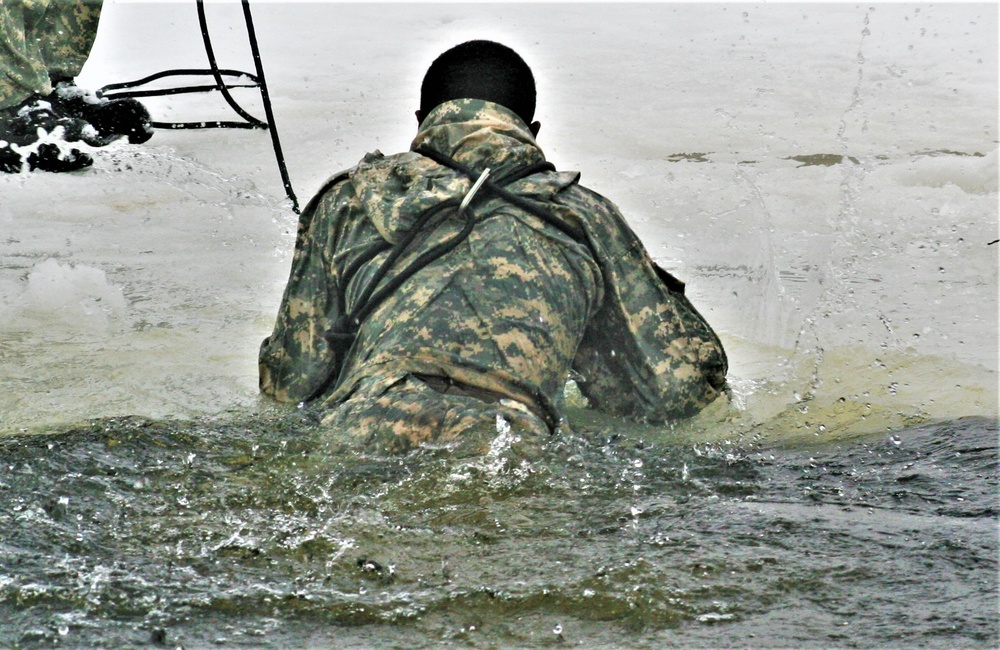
(475, 131)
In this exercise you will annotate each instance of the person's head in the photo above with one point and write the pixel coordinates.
(480, 70)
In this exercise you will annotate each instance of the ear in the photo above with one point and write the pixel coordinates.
(535, 126)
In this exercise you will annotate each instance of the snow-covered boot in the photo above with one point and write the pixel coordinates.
(44, 156)
(21, 123)
(111, 118)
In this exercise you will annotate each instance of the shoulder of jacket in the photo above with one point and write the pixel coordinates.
(331, 184)
(581, 193)
(372, 158)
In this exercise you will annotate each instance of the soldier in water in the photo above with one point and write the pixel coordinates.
(436, 292)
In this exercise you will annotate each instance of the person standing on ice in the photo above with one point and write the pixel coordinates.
(43, 46)
(436, 291)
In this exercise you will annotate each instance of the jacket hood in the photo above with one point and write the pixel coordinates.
(396, 190)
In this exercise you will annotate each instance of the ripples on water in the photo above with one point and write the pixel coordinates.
(259, 533)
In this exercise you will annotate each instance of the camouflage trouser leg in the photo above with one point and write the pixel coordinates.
(39, 38)
(395, 415)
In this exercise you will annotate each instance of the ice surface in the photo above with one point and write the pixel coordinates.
(824, 178)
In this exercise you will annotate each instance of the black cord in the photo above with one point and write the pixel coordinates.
(185, 72)
(214, 66)
(268, 113)
(126, 89)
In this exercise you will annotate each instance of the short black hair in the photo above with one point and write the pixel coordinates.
(480, 70)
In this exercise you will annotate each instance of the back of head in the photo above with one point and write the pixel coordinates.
(480, 70)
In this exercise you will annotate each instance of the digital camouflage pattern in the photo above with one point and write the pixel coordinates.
(510, 311)
(43, 37)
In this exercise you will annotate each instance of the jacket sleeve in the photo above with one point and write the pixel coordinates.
(646, 352)
(296, 361)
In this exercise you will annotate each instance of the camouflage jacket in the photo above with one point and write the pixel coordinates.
(512, 309)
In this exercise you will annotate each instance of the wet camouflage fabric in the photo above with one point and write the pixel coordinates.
(43, 37)
(394, 414)
(511, 310)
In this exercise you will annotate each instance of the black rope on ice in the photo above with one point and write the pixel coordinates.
(268, 113)
(243, 80)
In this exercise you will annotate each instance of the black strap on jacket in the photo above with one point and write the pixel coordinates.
(496, 187)
(342, 335)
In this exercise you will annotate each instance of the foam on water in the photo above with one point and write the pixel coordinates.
(251, 532)
(78, 295)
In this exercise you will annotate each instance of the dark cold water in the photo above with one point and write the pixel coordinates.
(259, 533)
